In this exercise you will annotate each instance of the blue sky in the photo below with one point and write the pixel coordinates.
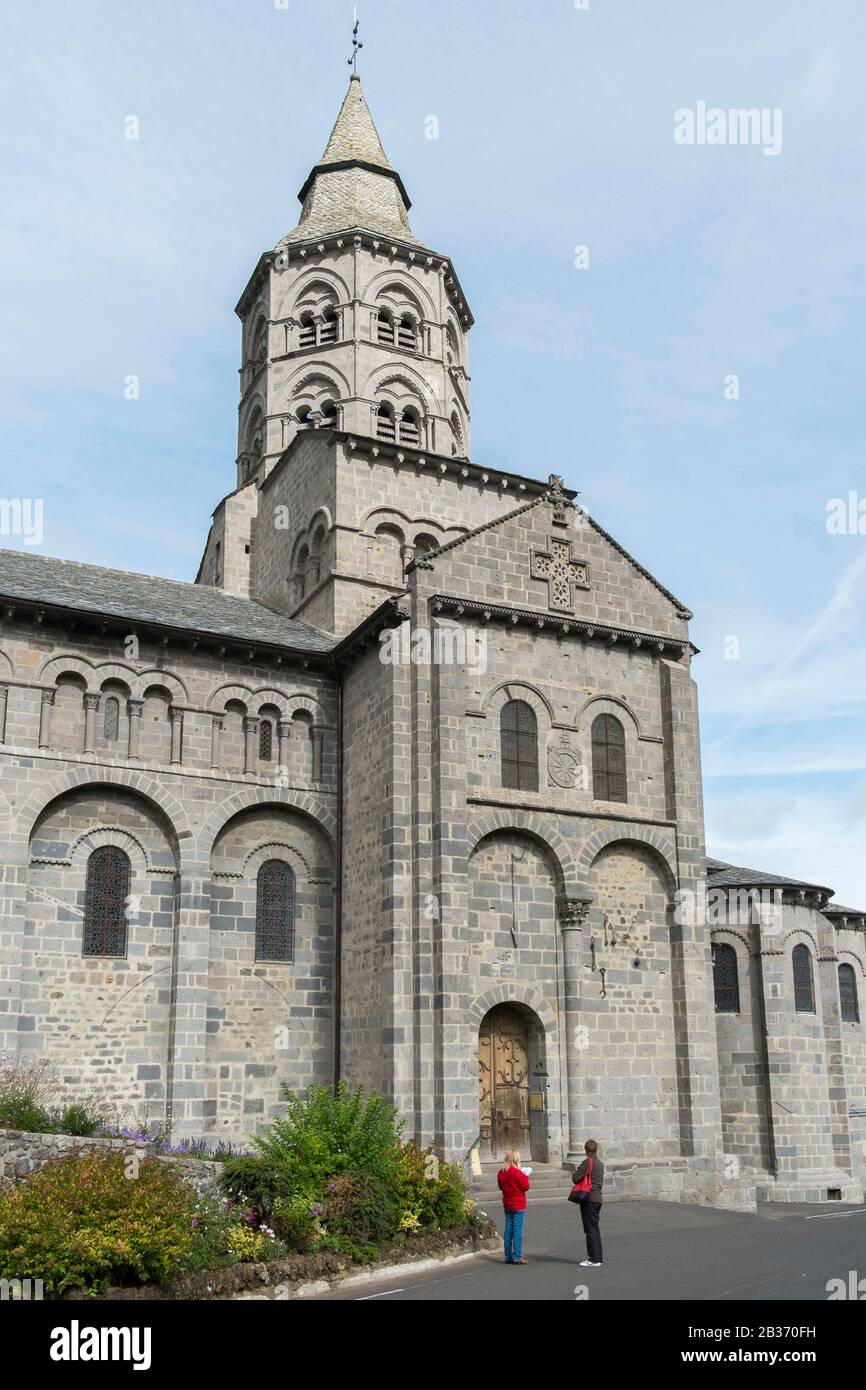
(556, 127)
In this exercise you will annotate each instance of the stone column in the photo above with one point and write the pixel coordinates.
(176, 716)
(318, 737)
(251, 733)
(91, 705)
(133, 711)
(827, 985)
(45, 718)
(573, 914)
(216, 729)
(285, 731)
(4, 695)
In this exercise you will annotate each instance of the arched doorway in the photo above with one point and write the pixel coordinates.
(505, 1048)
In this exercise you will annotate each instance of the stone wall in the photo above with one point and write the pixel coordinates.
(23, 1153)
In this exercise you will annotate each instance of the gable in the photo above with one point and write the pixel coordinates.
(548, 557)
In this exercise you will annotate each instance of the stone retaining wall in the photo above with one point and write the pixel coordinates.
(22, 1153)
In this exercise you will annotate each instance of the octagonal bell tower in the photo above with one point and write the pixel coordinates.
(350, 323)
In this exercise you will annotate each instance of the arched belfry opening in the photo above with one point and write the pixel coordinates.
(511, 1077)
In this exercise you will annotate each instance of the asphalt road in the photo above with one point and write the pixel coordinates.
(653, 1250)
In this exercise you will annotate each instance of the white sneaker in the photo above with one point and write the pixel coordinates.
(591, 1264)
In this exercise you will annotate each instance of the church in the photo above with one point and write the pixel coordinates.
(405, 788)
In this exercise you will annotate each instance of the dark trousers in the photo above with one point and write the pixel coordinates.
(591, 1215)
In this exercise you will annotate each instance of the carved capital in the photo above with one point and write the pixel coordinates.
(573, 912)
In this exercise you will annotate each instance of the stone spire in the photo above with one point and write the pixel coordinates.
(353, 184)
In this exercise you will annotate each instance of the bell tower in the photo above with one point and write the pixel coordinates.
(350, 323)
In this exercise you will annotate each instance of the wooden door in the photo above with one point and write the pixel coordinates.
(503, 1080)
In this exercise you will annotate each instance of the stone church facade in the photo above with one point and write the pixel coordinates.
(405, 788)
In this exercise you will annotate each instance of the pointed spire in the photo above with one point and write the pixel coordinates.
(355, 135)
(353, 184)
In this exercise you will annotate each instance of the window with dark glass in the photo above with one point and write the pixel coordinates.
(848, 1001)
(518, 730)
(726, 983)
(608, 759)
(275, 911)
(105, 897)
(266, 740)
(804, 987)
(111, 718)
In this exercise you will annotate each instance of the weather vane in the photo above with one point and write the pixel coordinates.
(356, 45)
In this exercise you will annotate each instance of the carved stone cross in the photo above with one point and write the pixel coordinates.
(561, 571)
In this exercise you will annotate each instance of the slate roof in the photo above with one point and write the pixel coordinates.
(142, 598)
(722, 875)
(353, 186)
(355, 135)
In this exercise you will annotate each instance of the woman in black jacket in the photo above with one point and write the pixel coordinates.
(590, 1209)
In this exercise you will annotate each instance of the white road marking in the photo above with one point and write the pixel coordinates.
(834, 1215)
(368, 1296)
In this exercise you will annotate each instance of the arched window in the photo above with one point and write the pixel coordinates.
(726, 981)
(111, 719)
(266, 740)
(457, 436)
(300, 576)
(518, 732)
(423, 545)
(608, 759)
(259, 349)
(106, 891)
(410, 427)
(328, 330)
(452, 350)
(275, 911)
(329, 415)
(406, 333)
(848, 1001)
(804, 986)
(307, 334)
(385, 421)
(385, 327)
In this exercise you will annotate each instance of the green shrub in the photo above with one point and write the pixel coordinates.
(432, 1193)
(24, 1090)
(322, 1135)
(361, 1212)
(83, 1223)
(333, 1174)
(17, 1113)
(81, 1118)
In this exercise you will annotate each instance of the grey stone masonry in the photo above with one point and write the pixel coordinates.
(406, 789)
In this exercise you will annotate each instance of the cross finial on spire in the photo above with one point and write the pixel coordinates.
(356, 45)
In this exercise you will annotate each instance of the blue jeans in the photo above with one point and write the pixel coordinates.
(514, 1235)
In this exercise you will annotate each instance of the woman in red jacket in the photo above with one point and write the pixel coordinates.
(514, 1185)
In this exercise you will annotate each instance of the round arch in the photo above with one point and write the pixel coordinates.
(518, 690)
(415, 294)
(535, 828)
(254, 797)
(297, 292)
(83, 779)
(610, 700)
(627, 832)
